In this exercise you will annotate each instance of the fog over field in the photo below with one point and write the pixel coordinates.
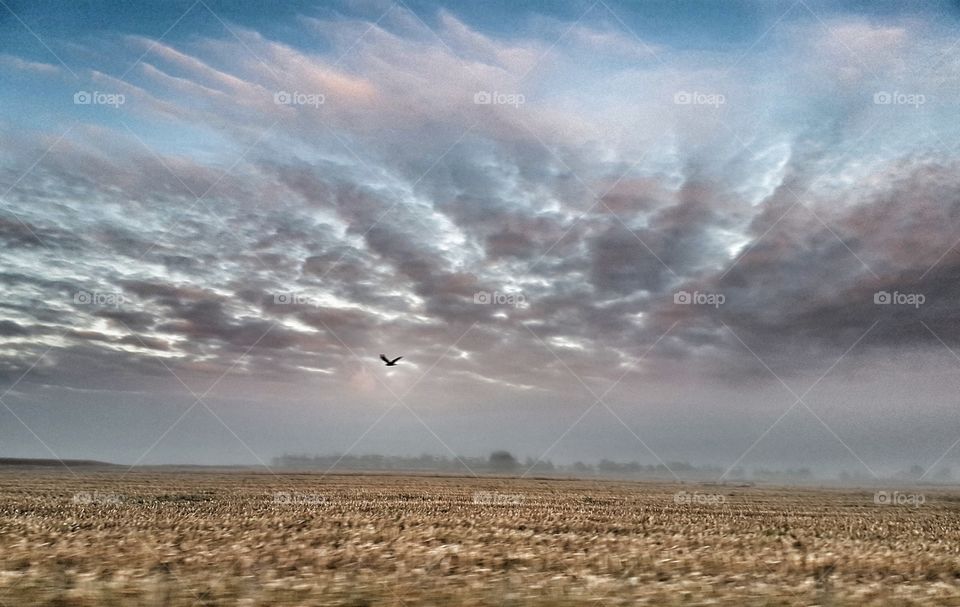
(716, 233)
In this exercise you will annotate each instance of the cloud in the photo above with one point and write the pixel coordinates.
(35, 67)
(389, 206)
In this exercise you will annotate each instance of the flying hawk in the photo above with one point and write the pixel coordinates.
(390, 363)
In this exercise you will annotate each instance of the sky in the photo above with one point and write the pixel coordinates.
(720, 233)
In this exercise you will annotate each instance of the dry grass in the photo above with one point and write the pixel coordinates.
(257, 539)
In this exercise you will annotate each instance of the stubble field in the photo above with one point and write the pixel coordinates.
(203, 538)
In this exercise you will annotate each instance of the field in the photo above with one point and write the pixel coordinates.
(221, 538)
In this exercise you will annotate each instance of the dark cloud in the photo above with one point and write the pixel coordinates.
(16, 232)
(209, 320)
(622, 263)
(8, 328)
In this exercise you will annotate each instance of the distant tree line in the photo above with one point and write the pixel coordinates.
(506, 463)
(498, 461)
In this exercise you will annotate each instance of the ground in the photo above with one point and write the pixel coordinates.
(109, 537)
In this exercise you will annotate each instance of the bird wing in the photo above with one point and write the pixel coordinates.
(395, 359)
(384, 358)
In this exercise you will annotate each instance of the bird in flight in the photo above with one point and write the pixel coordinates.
(390, 363)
